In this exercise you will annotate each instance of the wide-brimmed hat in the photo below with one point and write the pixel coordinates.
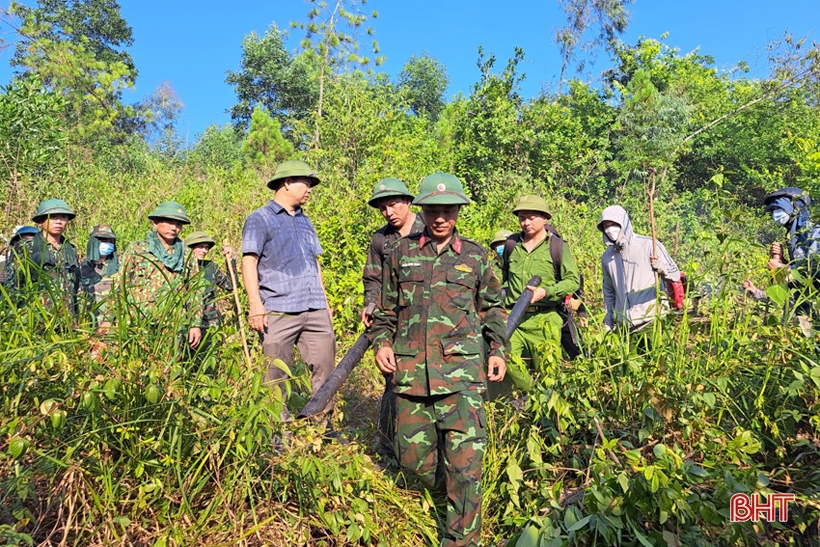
(102, 231)
(441, 189)
(170, 209)
(199, 237)
(50, 207)
(293, 168)
(500, 237)
(532, 203)
(386, 188)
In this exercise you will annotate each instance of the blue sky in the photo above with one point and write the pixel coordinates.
(193, 43)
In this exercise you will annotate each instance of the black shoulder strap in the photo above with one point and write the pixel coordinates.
(556, 250)
(509, 245)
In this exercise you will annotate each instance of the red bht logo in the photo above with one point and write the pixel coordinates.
(743, 507)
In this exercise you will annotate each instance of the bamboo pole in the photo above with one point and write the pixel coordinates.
(239, 312)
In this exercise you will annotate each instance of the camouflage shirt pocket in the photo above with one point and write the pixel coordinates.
(460, 289)
(410, 286)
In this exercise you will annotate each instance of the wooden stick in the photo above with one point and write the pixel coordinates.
(603, 441)
(239, 312)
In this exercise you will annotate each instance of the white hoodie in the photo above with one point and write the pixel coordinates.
(629, 282)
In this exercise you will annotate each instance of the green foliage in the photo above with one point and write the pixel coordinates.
(424, 79)
(83, 67)
(611, 16)
(32, 141)
(332, 34)
(97, 23)
(270, 76)
(265, 146)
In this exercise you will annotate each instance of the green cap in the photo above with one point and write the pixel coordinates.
(170, 209)
(52, 206)
(532, 203)
(197, 238)
(293, 168)
(441, 189)
(386, 188)
(103, 231)
(500, 237)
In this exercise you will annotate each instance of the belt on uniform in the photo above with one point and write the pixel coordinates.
(540, 309)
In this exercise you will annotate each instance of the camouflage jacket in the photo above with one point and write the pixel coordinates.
(214, 277)
(436, 309)
(145, 283)
(384, 238)
(51, 271)
(91, 280)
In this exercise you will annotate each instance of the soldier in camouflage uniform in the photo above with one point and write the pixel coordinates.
(155, 271)
(101, 261)
(200, 244)
(391, 198)
(440, 299)
(48, 261)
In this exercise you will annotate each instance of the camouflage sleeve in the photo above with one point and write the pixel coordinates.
(372, 275)
(385, 319)
(491, 312)
(222, 280)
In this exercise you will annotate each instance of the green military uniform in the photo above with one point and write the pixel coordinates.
(96, 267)
(52, 272)
(437, 308)
(539, 333)
(373, 281)
(158, 281)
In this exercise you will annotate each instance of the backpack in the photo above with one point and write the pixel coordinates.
(556, 251)
(570, 335)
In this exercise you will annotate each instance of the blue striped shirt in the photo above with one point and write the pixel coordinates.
(287, 247)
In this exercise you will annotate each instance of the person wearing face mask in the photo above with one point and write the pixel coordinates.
(789, 207)
(158, 279)
(101, 261)
(629, 269)
(48, 260)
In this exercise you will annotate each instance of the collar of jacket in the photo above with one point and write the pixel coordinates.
(455, 241)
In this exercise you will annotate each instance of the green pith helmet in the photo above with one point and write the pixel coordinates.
(386, 188)
(170, 209)
(199, 237)
(532, 203)
(52, 206)
(102, 231)
(500, 237)
(441, 189)
(293, 168)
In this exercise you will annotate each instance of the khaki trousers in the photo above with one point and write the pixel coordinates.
(310, 331)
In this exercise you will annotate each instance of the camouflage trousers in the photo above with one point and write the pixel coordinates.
(446, 432)
(539, 337)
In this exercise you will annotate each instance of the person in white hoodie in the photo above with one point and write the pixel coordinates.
(629, 270)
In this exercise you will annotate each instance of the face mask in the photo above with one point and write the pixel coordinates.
(500, 250)
(613, 232)
(780, 216)
(106, 248)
